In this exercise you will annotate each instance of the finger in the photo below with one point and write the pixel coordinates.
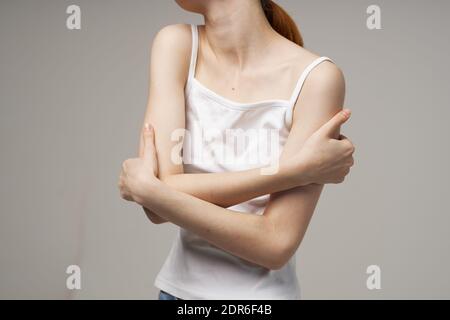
(346, 142)
(149, 142)
(330, 128)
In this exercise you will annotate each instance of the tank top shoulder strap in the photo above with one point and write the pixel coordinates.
(303, 76)
(194, 51)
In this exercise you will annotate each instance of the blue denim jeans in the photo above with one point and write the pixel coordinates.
(166, 296)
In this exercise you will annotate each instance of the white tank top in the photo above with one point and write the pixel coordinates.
(196, 269)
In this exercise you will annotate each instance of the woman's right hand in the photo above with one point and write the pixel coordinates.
(323, 158)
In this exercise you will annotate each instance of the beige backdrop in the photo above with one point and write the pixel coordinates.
(72, 103)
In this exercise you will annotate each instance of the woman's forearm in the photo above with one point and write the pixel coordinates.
(251, 237)
(230, 188)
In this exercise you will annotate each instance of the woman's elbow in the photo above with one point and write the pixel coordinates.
(157, 220)
(279, 255)
(154, 218)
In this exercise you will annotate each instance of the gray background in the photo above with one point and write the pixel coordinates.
(72, 103)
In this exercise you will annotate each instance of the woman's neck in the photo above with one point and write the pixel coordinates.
(237, 32)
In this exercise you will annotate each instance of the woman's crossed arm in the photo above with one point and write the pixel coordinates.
(166, 112)
(269, 239)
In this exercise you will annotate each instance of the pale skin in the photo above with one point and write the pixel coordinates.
(255, 63)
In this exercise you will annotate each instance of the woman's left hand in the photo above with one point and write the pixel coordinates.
(139, 173)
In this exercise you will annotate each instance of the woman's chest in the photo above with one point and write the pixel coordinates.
(228, 137)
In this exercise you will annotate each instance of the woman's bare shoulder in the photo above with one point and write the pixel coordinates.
(171, 50)
(174, 36)
(301, 57)
(326, 75)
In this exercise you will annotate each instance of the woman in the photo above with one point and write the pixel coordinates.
(240, 221)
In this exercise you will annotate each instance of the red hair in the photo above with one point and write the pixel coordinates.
(281, 21)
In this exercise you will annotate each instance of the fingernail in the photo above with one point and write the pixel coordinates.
(346, 112)
(147, 127)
